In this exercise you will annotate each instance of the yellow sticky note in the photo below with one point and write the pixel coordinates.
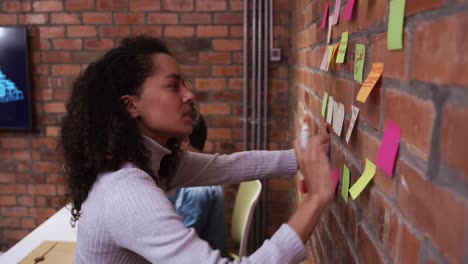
(345, 183)
(366, 177)
(371, 80)
(331, 54)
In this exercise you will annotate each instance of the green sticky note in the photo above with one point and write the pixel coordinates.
(324, 103)
(345, 185)
(342, 49)
(359, 62)
(395, 24)
(366, 177)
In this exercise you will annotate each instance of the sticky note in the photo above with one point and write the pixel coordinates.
(336, 12)
(359, 62)
(345, 183)
(335, 178)
(342, 49)
(395, 24)
(366, 177)
(354, 115)
(338, 119)
(371, 80)
(389, 147)
(335, 111)
(324, 103)
(330, 110)
(330, 20)
(325, 15)
(323, 65)
(331, 54)
(349, 10)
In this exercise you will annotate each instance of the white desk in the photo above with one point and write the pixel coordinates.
(57, 227)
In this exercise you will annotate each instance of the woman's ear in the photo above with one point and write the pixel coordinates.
(129, 102)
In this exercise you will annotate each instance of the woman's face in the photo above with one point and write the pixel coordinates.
(165, 104)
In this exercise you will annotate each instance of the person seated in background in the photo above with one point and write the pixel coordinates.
(202, 207)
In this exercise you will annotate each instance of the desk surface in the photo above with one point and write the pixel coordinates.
(57, 227)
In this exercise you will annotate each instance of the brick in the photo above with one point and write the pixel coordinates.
(162, 18)
(7, 177)
(418, 134)
(155, 31)
(370, 110)
(196, 70)
(224, 121)
(236, 5)
(67, 44)
(433, 213)
(236, 83)
(14, 143)
(215, 108)
(15, 234)
(51, 32)
(129, 18)
(8, 222)
(47, 6)
(195, 18)
(114, 31)
(371, 13)
(227, 45)
(179, 31)
(7, 19)
(367, 248)
(145, 5)
(13, 211)
(99, 44)
(41, 212)
(210, 84)
(16, 6)
(33, 19)
(27, 201)
(230, 96)
(418, 6)
(409, 246)
(179, 6)
(65, 69)
(7, 200)
(210, 5)
(452, 137)
(396, 64)
(41, 189)
(344, 93)
(112, 5)
(80, 5)
(229, 18)
(12, 188)
(28, 223)
(427, 68)
(56, 57)
(219, 133)
(214, 58)
(97, 18)
(44, 144)
(228, 70)
(236, 31)
(54, 108)
(64, 18)
(21, 155)
(212, 31)
(386, 225)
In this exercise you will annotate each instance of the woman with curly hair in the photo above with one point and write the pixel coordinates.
(121, 136)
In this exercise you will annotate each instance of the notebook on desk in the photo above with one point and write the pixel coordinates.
(49, 252)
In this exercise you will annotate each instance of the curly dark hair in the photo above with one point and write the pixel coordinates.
(97, 133)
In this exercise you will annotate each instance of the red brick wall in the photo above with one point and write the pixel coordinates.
(420, 215)
(206, 37)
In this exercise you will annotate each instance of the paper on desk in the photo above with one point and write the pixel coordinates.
(339, 119)
(325, 15)
(359, 62)
(349, 10)
(330, 110)
(354, 115)
(335, 178)
(389, 147)
(371, 80)
(366, 177)
(345, 183)
(324, 103)
(396, 19)
(342, 49)
(336, 12)
(323, 65)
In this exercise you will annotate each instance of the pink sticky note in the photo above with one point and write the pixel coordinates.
(349, 10)
(324, 64)
(336, 176)
(325, 15)
(336, 12)
(389, 148)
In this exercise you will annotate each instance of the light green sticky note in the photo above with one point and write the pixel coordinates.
(324, 103)
(345, 185)
(359, 62)
(342, 49)
(366, 177)
(395, 24)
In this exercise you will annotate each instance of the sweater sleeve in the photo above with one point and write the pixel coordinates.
(140, 218)
(198, 169)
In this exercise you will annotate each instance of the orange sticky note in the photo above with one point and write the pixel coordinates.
(369, 83)
(331, 54)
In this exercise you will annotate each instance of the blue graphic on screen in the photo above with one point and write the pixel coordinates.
(8, 90)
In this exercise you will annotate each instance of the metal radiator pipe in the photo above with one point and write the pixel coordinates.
(253, 117)
(259, 73)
